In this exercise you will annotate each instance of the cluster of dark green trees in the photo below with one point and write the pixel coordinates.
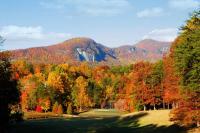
(9, 94)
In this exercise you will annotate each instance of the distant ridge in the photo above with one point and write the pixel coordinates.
(86, 49)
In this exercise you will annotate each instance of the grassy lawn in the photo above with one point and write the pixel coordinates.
(102, 121)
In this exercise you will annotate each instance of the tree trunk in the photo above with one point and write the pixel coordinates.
(45, 113)
(198, 124)
(163, 104)
(162, 93)
(177, 105)
(144, 108)
(154, 107)
(80, 109)
(173, 105)
(101, 105)
(168, 105)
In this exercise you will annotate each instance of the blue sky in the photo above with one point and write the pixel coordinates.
(30, 23)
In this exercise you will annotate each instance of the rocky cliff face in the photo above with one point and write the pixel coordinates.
(92, 51)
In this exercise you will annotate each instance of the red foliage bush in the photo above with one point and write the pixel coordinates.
(38, 109)
(121, 105)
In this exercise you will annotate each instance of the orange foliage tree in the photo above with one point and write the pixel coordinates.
(171, 83)
(141, 89)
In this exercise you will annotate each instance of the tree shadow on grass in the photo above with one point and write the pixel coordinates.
(129, 124)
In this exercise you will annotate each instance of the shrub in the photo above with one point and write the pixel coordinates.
(45, 105)
(55, 108)
(16, 113)
(38, 109)
(16, 116)
(185, 116)
(138, 107)
(69, 109)
(121, 105)
(60, 109)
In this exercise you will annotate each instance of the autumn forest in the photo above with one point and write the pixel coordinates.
(170, 83)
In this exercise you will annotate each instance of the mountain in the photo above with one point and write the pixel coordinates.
(86, 49)
(147, 49)
(72, 50)
(153, 46)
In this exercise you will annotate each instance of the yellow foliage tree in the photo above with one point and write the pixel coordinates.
(54, 80)
(80, 93)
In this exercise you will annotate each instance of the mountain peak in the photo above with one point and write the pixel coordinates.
(154, 46)
(152, 41)
(80, 39)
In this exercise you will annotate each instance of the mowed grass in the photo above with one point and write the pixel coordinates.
(158, 117)
(102, 121)
(102, 113)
